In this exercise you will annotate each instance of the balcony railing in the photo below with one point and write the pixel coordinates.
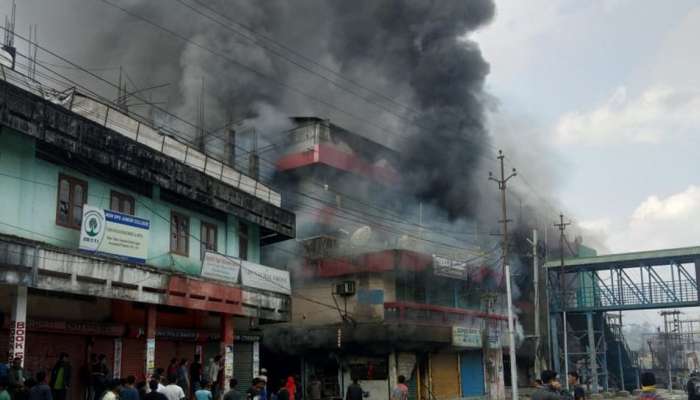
(432, 314)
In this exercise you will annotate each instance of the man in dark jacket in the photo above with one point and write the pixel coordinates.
(550, 389)
(693, 382)
(60, 377)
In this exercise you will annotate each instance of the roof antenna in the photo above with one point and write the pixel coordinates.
(8, 58)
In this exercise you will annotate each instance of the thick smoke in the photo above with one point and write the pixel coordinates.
(425, 79)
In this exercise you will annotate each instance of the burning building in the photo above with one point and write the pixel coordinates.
(380, 290)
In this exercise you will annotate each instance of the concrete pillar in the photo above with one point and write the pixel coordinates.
(227, 336)
(592, 356)
(18, 324)
(554, 337)
(151, 314)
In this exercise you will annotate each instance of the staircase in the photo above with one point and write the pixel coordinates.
(618, 350)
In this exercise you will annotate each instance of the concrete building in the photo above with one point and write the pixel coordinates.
(117, 239)
(378, 293)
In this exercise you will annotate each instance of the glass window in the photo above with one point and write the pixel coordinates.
(179, 234)
(242, 241)
(72, 195)
(208, 238)
(122, 203)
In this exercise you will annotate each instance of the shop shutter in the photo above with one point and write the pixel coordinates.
(43, 350)
(472, 372)
(243, 364)
(445, 376)
(166, 350)
(413, 385)
(134, 358)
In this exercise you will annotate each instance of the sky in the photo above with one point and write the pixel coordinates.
(612, 90)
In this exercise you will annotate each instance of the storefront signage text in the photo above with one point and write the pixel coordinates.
(114, 234)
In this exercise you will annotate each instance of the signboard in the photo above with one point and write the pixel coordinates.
(228, 363)
(117, 367)
(450, 268)
(265, 278)
(256, 358)
(466, 337)
(114, 234)
(150, 356)
(220, 267)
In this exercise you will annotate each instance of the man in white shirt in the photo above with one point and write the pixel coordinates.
(172, 391)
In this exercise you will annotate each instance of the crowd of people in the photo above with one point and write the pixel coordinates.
(549, 387)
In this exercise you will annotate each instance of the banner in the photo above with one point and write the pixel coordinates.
(220, 267)
(466, 337)
(114, 234)
(265, 278)
(450, 268)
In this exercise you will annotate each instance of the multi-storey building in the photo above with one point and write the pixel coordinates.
(380, 290)
(116, 239)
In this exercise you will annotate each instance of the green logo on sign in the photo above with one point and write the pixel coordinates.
(93, 223)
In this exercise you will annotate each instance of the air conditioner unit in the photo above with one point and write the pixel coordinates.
(346, 288)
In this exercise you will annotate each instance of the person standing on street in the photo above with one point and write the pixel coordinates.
(4, 395)
(17, 376)
(183, 379)
(195, 374)
(233, 393)
(154, 394)
(291, 387)
(204, 393)
(400, 391)
(40, 391)
(111, 390)
(172, 391)
(355, 391)
(315, 389)
(577, 392)
(129, 391)
(283, 393)
(60, 377)
(648, 380)
(693, 386)
(550, 388)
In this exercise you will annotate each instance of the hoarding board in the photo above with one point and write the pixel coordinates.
(115, 234)
(466, 337)
(266, 278)
(220, 267)
(450, 268)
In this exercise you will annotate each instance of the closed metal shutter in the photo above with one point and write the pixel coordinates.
(413, 385)
(243, 364)
(134, 357)
(472, 371)
(444, 371)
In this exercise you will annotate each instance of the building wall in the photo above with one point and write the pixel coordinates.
(29, 199)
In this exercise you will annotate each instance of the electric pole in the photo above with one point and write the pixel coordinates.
(504, 214)
(536, 283)
(562, 283)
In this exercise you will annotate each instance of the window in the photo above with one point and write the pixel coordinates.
(208, 237)
(242, 241)
(72, 195)
(179, 234)
(121, 202)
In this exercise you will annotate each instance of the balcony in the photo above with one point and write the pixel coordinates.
(428, 314)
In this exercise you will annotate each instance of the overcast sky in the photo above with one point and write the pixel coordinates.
(613, 88)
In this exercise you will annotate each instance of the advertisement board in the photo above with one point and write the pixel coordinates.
(115, 234)
(266, 278)
(220, 267)
(450, 268)
(466, 337)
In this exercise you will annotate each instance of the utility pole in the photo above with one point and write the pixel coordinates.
(562, 283)
(536, 283)
(511, 329)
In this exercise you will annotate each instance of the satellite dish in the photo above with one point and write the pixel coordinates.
(361, 236)
(406, 242)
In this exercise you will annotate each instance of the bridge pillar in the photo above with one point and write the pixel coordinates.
(592, 353)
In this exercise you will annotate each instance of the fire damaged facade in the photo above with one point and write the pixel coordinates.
(380, 290)
(116, 239)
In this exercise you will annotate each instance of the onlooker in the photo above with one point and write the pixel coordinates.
(99, 374)
(692, 386)
(233, 393)
(254, 392)
(111, 390)
(291, 387)
(283, 393)
(154, 394)
(400, 391)
(577, 391)
(172, 367)
(648, 380)
(5, 370)
(17, 375)
(40, 391)
(354, 392)
(172, 391)
(315, 389)
(183, 379)
(204, 393)
(60, 377)
(299, 393)
(23, 392)
(212, 371)
(142, 388)
(128, 391)
(550, 389)
(195, 373)
(4, 395)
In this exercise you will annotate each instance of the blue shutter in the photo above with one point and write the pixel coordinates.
(472, 372)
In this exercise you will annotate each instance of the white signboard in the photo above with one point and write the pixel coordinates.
(221, 267)
(265, 278)
(115, 234)
(450, 268)
(466, 337)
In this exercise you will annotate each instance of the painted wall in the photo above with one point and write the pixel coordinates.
(28, 209)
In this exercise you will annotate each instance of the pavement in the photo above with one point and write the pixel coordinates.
(525, 393)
